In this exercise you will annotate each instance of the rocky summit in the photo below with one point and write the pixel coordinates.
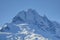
(30, 25)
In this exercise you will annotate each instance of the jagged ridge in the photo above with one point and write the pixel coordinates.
(41, 24)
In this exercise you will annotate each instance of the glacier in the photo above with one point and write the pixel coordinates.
(29, 25)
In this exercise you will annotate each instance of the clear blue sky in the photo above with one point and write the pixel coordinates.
(9, 8)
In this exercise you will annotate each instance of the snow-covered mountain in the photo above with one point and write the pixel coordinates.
(29, 25)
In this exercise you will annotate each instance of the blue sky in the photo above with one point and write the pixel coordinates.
(9, 8)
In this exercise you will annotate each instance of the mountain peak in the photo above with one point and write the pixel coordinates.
(30, 9)
(30, 22)
(32, 17)
(25, 16)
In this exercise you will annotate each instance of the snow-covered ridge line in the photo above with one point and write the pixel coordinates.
(31, 26)
(5, 33)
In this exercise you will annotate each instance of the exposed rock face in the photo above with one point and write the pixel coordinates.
(29, 25)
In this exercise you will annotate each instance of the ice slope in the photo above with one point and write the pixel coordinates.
(29, 25)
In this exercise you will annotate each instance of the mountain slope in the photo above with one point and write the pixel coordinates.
(29, 25)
